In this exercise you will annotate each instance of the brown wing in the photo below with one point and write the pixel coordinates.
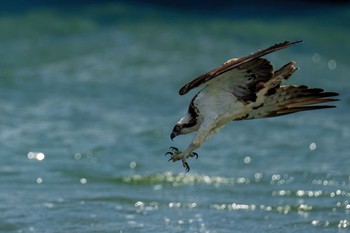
(244, 81)
(231, 64)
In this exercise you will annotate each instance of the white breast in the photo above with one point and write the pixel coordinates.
(221, 105)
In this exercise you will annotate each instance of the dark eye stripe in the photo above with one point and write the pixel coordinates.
(190, 124)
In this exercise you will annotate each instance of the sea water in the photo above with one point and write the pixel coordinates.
(89, 95)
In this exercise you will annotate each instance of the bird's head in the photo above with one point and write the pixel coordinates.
(186, 125)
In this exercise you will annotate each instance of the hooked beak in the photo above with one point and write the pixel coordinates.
(173, 135)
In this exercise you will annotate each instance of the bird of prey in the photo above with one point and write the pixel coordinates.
(241, 89)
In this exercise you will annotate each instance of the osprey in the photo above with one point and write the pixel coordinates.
(241, 89)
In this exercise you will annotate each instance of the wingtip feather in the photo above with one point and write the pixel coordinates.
(227, 66)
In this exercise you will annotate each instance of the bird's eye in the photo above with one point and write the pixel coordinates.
(177, 128)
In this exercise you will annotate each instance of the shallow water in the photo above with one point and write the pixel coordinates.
(88, 98)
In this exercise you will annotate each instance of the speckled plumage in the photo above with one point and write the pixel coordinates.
(240, 89)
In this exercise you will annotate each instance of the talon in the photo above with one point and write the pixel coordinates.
(168, 153)
(171, 159)
(186, 166)
(195, 154)
(173, 148)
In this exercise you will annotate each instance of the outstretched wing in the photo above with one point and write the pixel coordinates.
(245, 64)
(245, 81)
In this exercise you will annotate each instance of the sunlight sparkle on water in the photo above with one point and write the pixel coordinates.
(77, 156)
(83, 180)
(132, 164)
(312, 146)
(332, 64)
(344, 224)
(36, 155)
(247, 159)
(316, 58)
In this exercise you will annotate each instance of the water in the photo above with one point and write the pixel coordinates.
(88, 98)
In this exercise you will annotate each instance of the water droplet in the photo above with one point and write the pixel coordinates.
(30, 155)
(275, 177)
(132, 164)
(157, 187)
(315, 222)
(258, 176)
(316, 58)
(40, 156)
(181, 222)
(139, 204)
(343, 224)
(247, 160)
(83, 180)
(77, 156)
(36, 155)
(49, 205)
(332, 64)
(312, 146)
(39, 180)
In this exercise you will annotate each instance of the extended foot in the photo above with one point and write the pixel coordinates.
(178, 155)
(175, 154)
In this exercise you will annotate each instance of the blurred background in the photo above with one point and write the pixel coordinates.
(89, 96)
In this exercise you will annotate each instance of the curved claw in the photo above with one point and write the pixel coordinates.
(187, 167)
(173, 148)
(195, 154)
(168, 153)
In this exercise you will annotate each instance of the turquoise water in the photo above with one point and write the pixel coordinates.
(88, 97)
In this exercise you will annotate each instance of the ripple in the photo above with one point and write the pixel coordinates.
(183, 179)
(312, 193)
(341, 224)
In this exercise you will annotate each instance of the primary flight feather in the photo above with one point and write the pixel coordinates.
(242, 88)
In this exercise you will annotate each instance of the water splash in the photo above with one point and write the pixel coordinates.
(183, 179)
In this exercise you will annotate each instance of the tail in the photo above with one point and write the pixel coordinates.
(281, 100)
(291, 99)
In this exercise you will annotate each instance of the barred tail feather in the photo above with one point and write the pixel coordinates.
(290, 99)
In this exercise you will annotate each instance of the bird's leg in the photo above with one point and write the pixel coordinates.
(200, 137)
